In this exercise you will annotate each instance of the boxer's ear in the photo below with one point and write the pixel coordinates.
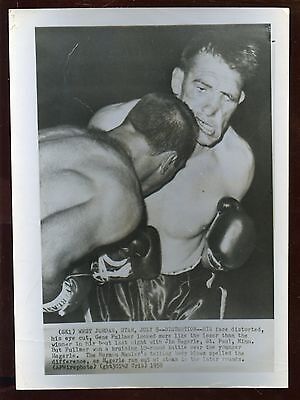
(168, 163)
(242, 97)
(177, 80)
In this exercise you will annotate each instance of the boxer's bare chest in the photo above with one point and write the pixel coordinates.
(184, 207)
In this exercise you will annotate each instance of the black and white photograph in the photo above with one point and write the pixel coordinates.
(156, 183)
(138, 224)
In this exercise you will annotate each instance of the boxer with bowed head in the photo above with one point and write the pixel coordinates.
(210, 79)
(92, 185)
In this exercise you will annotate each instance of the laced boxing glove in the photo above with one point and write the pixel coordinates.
(230, 239)
(138, 258)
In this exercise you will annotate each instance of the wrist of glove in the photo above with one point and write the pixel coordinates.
(74, 291)
(140, 257)
(230, 239)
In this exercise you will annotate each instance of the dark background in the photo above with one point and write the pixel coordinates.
(7, 390)
(82, 69)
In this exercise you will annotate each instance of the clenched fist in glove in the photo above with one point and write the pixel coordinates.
(138, 258)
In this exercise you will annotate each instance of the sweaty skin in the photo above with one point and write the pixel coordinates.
(222, 163)
(82, 209)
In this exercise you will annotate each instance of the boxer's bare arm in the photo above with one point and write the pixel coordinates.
(59, 132)
(70, 234)
(87, 205)
(111, 116)
(237, 163)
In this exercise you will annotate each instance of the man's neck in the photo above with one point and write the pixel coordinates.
(199, 149)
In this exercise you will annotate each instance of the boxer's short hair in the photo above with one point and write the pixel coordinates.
(234, 47)
(166, 123)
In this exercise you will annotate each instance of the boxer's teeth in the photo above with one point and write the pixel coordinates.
(207, 129)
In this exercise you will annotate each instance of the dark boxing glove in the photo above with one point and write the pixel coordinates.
(230, 238)
(138, 258)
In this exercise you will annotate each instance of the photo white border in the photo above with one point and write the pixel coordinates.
(25, 180)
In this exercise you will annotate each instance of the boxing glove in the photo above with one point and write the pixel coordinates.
(139, 257)
(230, 239)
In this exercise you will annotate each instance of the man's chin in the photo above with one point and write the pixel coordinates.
(207, 141)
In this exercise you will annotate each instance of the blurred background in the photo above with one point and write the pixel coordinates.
(82, 69)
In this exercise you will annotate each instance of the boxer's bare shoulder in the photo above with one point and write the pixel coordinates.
(111, 116)
(78, 171)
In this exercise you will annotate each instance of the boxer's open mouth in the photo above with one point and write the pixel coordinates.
(205, 128)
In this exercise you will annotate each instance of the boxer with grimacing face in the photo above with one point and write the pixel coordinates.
(210, 79)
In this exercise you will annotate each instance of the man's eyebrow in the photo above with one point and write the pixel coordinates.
(230, 95)
(203, 83)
